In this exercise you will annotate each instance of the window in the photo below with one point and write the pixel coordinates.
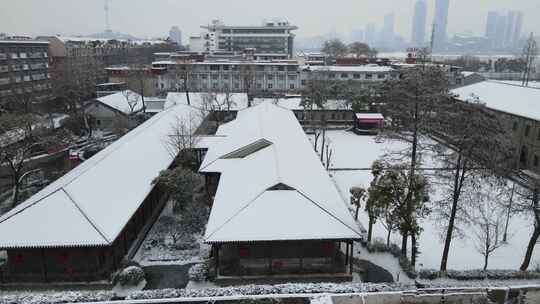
(536, 161)
(214, 68)
(291, 86)
(527, 130)
(356, 76)
(381, 76)
(270, 77)
(204, 76)
(260, 68)
(538, 136)
(369, 76)
(344, 75)
(225, 67)
(226, 77)
(281, 68)
(515, 126)
(281, 77)
(303, 82)
(270, 86)
(292, 77)
(331, 75)
(215, 76)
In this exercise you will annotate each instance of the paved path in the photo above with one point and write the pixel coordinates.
(167, 276)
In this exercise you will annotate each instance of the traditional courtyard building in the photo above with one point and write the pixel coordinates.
(80, 227)
(276, 212)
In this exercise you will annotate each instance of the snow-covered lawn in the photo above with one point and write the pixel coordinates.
(159, 249)
(353, 151)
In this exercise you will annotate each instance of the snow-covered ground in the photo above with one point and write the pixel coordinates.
(353, 151)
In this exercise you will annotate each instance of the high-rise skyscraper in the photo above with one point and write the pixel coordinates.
(500, 31)
(491, 25)
(371, 33)
(357, 35)
(510, 26)
(441, 23)
(517, 29)
(175, 34)
(419, 24)
(388, 31)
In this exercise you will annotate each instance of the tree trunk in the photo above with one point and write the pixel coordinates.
(370, 229)
(450, 230)
(16, 190)
(388, 237)
(535, 235)
(530, 249)
(404, 239)
(486, 257)
(356, 212)
(323, 140)
(413, 250)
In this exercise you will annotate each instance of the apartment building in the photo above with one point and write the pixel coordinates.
(229, 75)
(361, 75)
(270, 38)
(24, 71)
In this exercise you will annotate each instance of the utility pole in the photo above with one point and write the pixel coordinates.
(530, 52)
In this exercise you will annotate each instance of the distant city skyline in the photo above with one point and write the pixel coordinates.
(148, 19)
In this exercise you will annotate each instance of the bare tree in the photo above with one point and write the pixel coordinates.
(132, 100)
(527, 203)
(183, 76)
(488, 225)
(411, 105)
(479, 146)
(182, 140)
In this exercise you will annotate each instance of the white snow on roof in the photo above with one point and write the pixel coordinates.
(369, 116)
(91, 204)
(511, 99)
(237, 101)
(121, 101)
(357, 68)
(245, 209)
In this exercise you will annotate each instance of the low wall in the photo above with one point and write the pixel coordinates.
(518, 295)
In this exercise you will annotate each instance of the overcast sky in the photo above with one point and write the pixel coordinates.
(151, 18)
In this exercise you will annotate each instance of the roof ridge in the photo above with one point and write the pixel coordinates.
(81, 210)
(327, 212)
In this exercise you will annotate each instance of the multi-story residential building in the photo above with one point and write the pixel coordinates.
(362, 75)
(230, 75)
(272, 38)
(86, 58)
(24, 72)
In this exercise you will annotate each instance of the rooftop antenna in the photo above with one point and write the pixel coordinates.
(107, 20)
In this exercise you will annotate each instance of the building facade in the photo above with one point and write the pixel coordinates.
(419, 24)
(274, 37)
(440, 23)
(24, 71)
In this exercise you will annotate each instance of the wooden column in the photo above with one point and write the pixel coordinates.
(87, 254)
(43, 265)
(346, 253)
(216, 257)
(351, 258)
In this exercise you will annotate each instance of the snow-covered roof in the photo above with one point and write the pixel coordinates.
(369, 116)
(121, 101)
(358, 68)
(508, 98)
(237, 101)
(272, 185)
(91, 204)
